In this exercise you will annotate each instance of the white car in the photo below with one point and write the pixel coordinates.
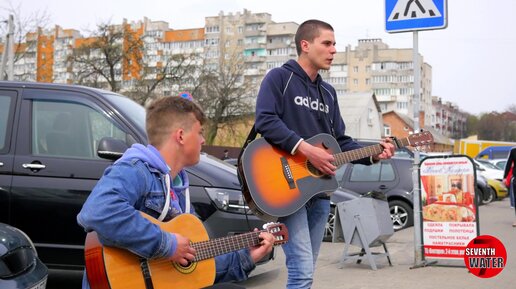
(500, 163)
(488, 170)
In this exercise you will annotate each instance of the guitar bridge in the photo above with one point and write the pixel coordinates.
(287, 173)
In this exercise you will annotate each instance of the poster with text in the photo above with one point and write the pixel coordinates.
(449, 211)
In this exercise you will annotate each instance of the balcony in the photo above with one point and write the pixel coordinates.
(255, 58)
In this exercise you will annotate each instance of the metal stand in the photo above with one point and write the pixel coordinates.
(366, 248)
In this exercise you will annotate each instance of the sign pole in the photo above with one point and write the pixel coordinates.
(419, 260)
(418, 255)
(403, 16)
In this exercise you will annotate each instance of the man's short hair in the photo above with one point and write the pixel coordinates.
(309, 30)
(169, 113)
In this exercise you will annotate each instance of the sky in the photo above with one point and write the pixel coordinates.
(473, 60)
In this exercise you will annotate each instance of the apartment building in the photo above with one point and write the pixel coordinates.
(263, 43)
(388, 73)
(371, 67)
(447, 119)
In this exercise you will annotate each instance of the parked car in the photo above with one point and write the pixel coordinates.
(20, 267)
(499, 188)
(499, 163)
(55, 143)
(232, 161)
(488, 170)
(391, 177)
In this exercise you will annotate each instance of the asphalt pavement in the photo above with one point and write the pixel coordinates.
(495, 219)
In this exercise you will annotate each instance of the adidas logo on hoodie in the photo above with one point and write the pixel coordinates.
(315, 105)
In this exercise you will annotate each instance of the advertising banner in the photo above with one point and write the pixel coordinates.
(448, 206)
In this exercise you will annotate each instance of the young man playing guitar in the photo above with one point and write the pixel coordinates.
(295, 104)
(151, 179)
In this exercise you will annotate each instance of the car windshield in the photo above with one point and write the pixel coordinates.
(489, 165)
(128, 107)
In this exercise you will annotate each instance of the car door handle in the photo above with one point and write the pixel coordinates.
(383, 187)
(1, 164)
(34, 166)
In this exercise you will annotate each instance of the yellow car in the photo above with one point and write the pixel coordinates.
(499, 188)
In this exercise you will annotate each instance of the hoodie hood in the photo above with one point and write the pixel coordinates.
(150, 155)
(147, 154)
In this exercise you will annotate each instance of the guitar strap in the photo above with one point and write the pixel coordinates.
(250, 137)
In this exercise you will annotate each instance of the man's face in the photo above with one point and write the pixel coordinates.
(193, 141)
(321, 50)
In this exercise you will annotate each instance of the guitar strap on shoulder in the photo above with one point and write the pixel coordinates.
(250, 137)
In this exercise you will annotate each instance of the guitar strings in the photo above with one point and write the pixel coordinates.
(208, 249)
(340, 158)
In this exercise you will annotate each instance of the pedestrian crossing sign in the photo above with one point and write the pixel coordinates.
(412, 15)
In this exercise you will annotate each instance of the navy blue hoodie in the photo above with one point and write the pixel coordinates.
(290, 107)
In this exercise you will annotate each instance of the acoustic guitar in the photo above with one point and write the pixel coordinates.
(115, 268)
(276, 183)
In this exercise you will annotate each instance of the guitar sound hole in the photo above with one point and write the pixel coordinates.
(189, 268)
(313, 170)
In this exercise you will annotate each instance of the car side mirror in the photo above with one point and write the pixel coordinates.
(111, 148)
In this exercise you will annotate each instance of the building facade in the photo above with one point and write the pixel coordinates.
(371, 67)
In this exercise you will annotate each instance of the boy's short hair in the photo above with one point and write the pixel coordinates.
(169, 113)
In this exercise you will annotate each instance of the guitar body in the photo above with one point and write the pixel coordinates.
(277, 184)
(114, 268)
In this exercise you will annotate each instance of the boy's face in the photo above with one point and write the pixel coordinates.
(193, 141)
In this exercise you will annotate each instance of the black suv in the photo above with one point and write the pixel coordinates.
(55, 143)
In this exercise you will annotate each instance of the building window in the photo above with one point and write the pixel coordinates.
(386, 130)
(212, 29)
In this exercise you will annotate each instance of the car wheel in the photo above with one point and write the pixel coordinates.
(402, 215)
(489, 196)
(479, 196)
(330, 225)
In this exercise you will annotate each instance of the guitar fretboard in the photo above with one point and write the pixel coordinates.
(356, 154)
(219, 246)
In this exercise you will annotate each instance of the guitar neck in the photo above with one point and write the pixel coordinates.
(220, 246)
(356, 154)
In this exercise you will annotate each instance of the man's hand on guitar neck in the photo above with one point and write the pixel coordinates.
(258, 252)
(388, 150)
(318, 157)
(184, 253)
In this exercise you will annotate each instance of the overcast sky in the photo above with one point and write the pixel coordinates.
(473, 60)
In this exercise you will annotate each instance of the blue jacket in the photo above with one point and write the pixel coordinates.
(291, 107)
(136, 182)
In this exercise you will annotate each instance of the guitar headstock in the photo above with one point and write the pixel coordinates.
(279, 231)
(421, 139)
